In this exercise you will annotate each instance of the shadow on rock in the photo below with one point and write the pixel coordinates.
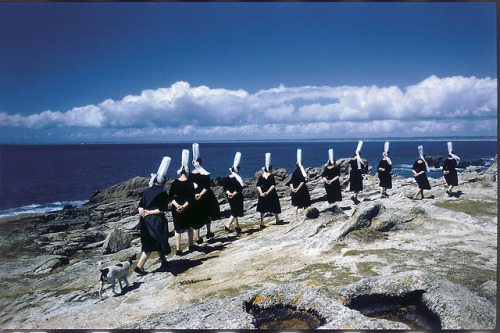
(177, 267)
(456, 194)
(128, 288)
(316, 200)
(250, 231)
(209, 249)
(226, 239)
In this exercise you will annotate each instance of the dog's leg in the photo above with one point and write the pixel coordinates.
(113, 286)
(126, 281)
(100, 289)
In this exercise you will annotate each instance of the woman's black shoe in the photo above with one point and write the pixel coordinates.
(178, 252)
(226, 229)
(210, 235)
(140, 271)
(193, 248)
(199, 240)
(238, 229)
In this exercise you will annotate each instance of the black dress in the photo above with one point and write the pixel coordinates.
(231, 184)
(182, 192)
(355, 177)
(422, 180)
(385, 177)
(452, 177)
(207, 204)
(333, 191)
(271, 202)
(301, 198)
(154, 228)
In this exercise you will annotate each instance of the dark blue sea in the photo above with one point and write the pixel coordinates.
(41, 178)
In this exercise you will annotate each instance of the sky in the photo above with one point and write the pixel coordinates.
(163, 72)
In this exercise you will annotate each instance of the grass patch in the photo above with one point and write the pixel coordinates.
(475, 208)
(365, 268)
(353, 253)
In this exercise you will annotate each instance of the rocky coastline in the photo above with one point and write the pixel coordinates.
(385, 263)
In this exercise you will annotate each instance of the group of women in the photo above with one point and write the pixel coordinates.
(194, 205)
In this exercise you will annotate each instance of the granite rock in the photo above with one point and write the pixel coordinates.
(441, 250)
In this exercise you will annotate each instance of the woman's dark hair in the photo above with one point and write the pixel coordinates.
(198, 160)
(184, 171)
(158, 182)
(237, 169)
(388, 153)
(330, 163)
(269, 168)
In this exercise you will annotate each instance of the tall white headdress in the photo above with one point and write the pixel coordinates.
(299, 163)
(386, 151)
(268, 161)
(330, 156)
(358, 158)
(234, 168)
(161, 175)
(450, 149)
(196, 154)
(421, 155)
(184, 162)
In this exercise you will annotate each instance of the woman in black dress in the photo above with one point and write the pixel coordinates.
(331, 177)
(268, 201)
(450, 169)
(355, 176)
(300, 193)
(182, 194)
(419, 173)
(153, 223)
(384, 169)
(207, 203)
(233, 187)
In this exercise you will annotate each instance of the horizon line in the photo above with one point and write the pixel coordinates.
(395, 139)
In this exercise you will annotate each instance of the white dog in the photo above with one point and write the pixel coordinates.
(112, 273)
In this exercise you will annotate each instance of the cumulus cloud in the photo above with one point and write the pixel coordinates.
(433, 105)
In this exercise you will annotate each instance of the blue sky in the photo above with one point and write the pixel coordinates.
(149, 72)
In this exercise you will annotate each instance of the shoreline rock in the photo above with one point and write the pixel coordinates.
(443, 245)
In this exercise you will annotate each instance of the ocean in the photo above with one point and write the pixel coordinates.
(42, 178)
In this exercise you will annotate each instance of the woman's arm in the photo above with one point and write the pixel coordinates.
(299, 187)
(199, 195)
(146, 212)
(270, 189)
(179, 207)
(262, 194)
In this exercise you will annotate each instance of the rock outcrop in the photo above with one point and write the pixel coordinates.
(385, 263)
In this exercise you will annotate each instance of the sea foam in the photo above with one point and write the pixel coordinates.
(40, 208)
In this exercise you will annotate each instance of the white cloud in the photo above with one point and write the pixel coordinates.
(433, 106)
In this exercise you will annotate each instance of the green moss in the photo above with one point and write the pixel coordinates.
(365, 268)
(226, 293)
(475, 208)
(353, 253)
